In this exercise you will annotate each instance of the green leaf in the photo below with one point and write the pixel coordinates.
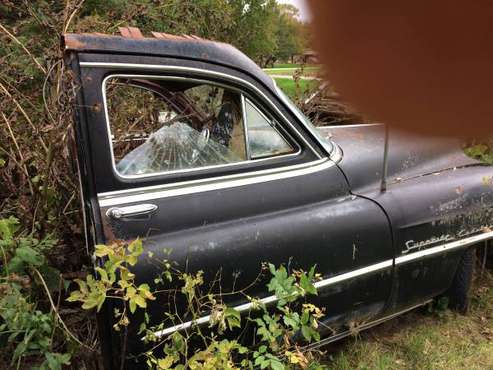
(16, 264)
(165, 363)
(29, 255)
(136, 248)
(55, 361)
(309, 333)
(307, 285)
(90, 302)
(276, 365)
(139, 301)
(102, 250)
(233, 318)
(100, 300)
(132, 305)
(292, 320)
(103, 274)
(8, 226)
(132, 260)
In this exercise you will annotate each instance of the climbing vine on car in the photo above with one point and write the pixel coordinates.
(281, 329)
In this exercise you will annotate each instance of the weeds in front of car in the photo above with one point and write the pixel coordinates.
(27, 329)
(280, 329)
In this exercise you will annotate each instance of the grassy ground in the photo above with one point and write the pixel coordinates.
(293, 90)
(288, 85)
(307, 71)
(425, 340)
(287, 65)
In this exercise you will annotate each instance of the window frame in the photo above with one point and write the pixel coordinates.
(277, 127)
(295, 142)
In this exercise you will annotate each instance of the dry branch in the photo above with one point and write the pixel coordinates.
(16, 40)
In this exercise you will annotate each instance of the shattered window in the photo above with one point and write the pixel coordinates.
(162, 125)
(159, 126)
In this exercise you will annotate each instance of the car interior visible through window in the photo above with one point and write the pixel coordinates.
(165, 125)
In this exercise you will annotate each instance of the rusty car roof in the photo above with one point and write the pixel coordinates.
(162, 44)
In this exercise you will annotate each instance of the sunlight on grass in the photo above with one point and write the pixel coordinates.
(289, 87)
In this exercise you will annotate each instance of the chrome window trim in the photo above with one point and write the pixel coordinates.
(351, 126)
(381, 266)
(210, 73)
(119, 197)
(245, 126)
(185, 170)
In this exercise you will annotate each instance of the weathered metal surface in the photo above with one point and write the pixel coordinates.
(409, 155)
(166, 45)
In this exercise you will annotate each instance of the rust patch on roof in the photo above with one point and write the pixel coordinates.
(131, 32)
(71, 41)
(75, 41)
(79, 41)
(168, 36)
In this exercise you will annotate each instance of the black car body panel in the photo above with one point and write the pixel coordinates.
(378, 252)
(409, 155)
(436, 194)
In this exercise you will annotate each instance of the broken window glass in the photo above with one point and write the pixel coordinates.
(162, 125)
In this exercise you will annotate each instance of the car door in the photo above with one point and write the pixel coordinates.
(212, 170)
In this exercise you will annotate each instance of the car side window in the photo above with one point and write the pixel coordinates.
(164, 125)
(263, 138)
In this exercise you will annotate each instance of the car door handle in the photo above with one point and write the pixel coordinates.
(130, 211)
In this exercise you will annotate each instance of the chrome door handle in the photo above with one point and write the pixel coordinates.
(129, 211)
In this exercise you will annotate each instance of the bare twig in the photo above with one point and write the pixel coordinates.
(45, 84)
(19, 107)
(72, 15)
(22, 163)
(16, 40)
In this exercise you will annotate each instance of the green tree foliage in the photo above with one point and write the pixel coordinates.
(262, 29)
(254, 28)
(290, 32)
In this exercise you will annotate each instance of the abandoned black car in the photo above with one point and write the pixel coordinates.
(188, 145)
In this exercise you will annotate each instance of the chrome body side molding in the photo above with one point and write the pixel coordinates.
(458, 244)
(272, 299)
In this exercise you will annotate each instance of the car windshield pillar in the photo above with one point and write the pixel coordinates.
(328, 146)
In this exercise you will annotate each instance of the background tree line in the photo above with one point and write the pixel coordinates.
(263, 29)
